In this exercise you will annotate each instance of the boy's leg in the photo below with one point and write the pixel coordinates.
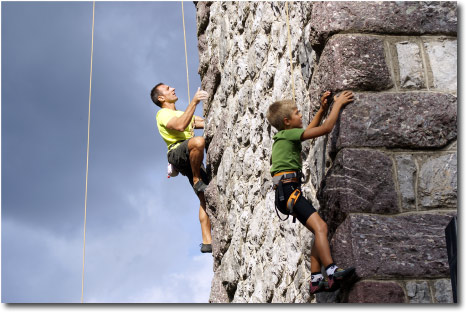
(320, 253)
(196, 155)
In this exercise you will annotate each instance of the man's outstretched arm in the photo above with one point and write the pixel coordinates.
(199, 122)
(182, 122)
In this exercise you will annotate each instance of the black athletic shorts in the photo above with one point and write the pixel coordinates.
(179, 157)
(303, 209)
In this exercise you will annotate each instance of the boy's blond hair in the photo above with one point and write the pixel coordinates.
(278, 111)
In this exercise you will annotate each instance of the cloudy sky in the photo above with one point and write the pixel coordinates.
(143, 233)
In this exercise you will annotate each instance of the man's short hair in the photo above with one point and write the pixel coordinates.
(278, 111)
(154, 94)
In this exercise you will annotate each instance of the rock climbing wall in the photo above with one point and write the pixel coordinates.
(385, 179)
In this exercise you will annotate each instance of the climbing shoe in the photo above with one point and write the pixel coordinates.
(317, 287)
(339, 275)
(199, 186)
(206, 248)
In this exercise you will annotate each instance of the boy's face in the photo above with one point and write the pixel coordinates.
(295, 120)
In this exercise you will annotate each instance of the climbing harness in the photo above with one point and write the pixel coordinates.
(87, 159)
(278, 180)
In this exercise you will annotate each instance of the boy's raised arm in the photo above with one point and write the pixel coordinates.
(313, 132)
(320, 113)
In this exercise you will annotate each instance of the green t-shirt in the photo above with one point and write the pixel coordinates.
(172, 136)
(286, 151)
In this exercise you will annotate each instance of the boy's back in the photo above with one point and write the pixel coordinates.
(286, 151)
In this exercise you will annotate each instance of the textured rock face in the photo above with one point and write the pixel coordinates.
(377, 292)
(359, 181)
(385, 179)
(400, 17)
(398, 120)
(393, 247)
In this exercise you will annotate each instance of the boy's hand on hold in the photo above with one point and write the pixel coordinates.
(200, 95)
(344, 98)
(324, 100)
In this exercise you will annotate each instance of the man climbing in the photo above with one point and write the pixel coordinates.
(185, 151)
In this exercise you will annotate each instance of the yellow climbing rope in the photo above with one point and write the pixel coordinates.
(289, 49)
(87, 158)
(187, 73)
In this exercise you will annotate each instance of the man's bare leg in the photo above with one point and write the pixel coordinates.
(205, 221)
(196, 156)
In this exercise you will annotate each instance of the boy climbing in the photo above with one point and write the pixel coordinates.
(286, 171)
(185, 151)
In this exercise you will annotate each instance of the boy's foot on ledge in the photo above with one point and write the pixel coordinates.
(206, 248)
(339, 275)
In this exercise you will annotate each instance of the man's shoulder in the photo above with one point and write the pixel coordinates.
(164, 113)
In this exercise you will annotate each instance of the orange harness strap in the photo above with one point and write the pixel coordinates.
(292, 200)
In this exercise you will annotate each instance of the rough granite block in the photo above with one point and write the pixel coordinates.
(411, 72)
(393, 247)
(412, 120)
(406, 173)
(442, 291)
(438, 182)
(376, 292)
(443, 63)
(218, 294)
(418, 292)
(352, 62)
(359, 181)
(386, 17)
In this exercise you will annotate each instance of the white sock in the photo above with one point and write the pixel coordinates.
(316, 277)
(331, 269)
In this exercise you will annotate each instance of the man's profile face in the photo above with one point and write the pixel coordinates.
(167, 94)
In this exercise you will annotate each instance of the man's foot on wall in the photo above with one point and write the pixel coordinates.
(206, 248)
(199, 186)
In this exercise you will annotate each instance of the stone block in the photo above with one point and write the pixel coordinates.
(406, 173)
(202, 15)
(386, 17)
(211, 80)
(218, 293)
(376, 292)
(418, 292)
(203, 51)
(393, 247)
(218, 216)
(442, 291)
(359, 181)
(329, 297)
(229, 272)
(412, 120)
(437, 187)
(215, 149)
(443, 63)
(352, 62)
(411, 72)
